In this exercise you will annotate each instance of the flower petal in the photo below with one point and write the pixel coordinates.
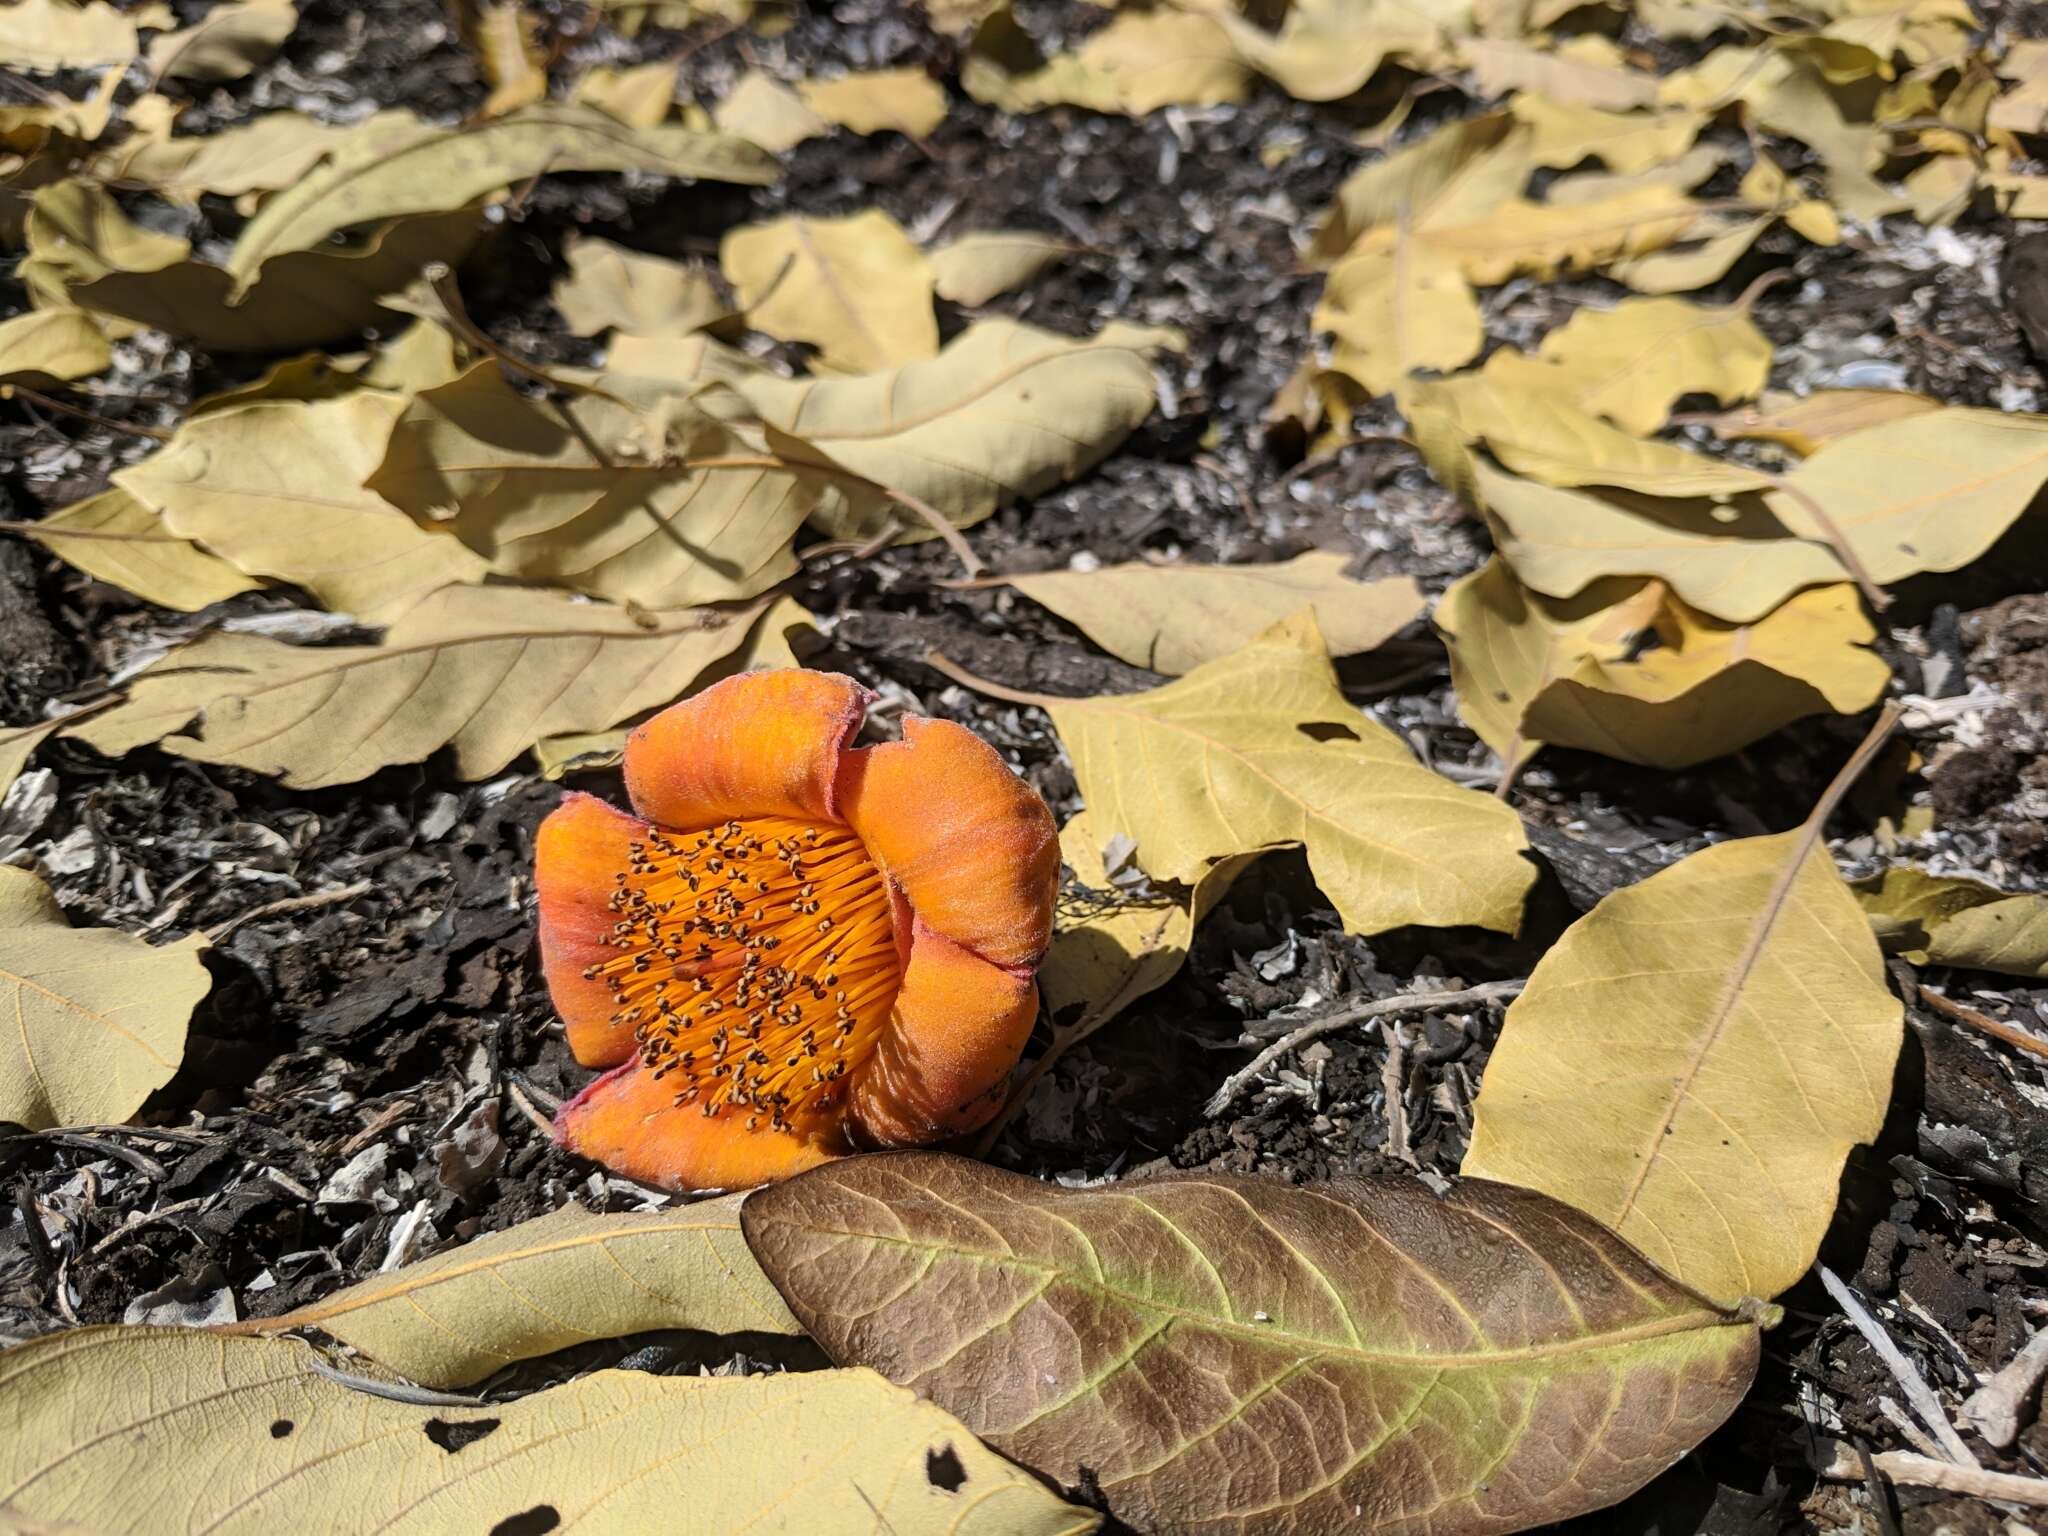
(759, 744)
(971, 844)
(579, 853)
(630, 1123)
(959, 1026)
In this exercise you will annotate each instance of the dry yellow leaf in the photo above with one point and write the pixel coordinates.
(260, 155)
(1706, 253)
(1140, 62)
(385, 172)
(906, 101)
(130, 547)
(1802, 106)
(1803, 423)
(640, 94)
(1627, 670)
(108, 1428)
(1260, 749)
(276, 488)
(1006, 411)
(488, 671)
(1632, 363)
(1396, 311)
(609, 287)
(1543, 240)
(1173, 618)
(52, 344)
(1733, 560)
(1562, 135)
(506, 41)
(225, 43)
(96, 1017)
(1501, 66)
(1691, 1063)
(18, 744)
(764, 111)
(42, 36)
(1456, 175)
(1328, 49)
(1952, 920)
(632, 494)
(564, 1278)
(854, 287)
(976, 267)
(1929, 492)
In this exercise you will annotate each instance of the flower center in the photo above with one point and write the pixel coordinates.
(757, 963)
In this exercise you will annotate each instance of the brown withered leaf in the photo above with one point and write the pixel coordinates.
(1213, 1352)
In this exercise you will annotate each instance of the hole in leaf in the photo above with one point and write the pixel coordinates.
(279, 1428)
(453, 1434)
(1326, 730)
(942, 1469)
(529, 1522)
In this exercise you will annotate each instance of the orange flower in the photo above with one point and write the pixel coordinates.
(798, 948)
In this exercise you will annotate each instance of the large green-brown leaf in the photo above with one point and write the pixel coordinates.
(142, 1431)
(488, 671)
(1217, 1353)
(560, 1279)
(96, 1018)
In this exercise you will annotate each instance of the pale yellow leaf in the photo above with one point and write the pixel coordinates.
(384, 172)
(1456, 175)
(1929, 492)
(254, 1441)
(226, 43)
(1632, 363)
(1173, 618)
(1952, 920)
(276, 488)
(1801, 106)
(1328, 49)
(854, 287)
(1562, 134)
(505, 38)
(18, 744)
(1140, 62)
(1396, 311)
(1260, 748)
(1710, 249)
(762, 110)
(96, 1017)
(640, 94)
(1006, 411)
(1542, 240)
(1803, 423)
(1501, 66)
(1581, 189)
(131, 548)
(43, 36)
(609, 287)
(488, 671)
(564, 1278)
(907, 101)
(1629, 671)
(1691, 1063)
(260, 155)
(52, 344)
(633, 495)
(976, 267)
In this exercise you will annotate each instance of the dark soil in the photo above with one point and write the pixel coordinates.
(357, 1088)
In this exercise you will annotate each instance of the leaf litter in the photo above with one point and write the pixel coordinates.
(1715, 468)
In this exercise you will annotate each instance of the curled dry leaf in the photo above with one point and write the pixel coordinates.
(632, 494)
(609, 287)
(1396, 311)
(1260, 749)
(486, 670)
(977, 267)
(1501, 66)
(1693, 1060)
(276, 488)
(1173, 618)
(1006, 411)
(1630, 671)
(225, 43)
(907, 101)
(385, 171)
(1216, 1353)
(98, 1017)
(1952, 920)
(1140, 62)
(260, 155)
(856, 288)
(114, 538)
(52, 344)
(762, 110)
(253, 1437)
(564, 1278)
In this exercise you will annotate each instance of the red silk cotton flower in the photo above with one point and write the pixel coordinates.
(796, 948)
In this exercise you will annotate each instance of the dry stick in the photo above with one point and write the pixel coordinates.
(306, 903)
(1919, 1471)
(1904, 1372)
(1997, 1029)
(10, 391)
(1997, 1409)
(939, 662)
(1315, 1029)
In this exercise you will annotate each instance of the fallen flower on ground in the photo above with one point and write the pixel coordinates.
(796, 948)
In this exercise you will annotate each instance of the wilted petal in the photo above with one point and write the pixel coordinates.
(631, 1123)
(579, 853)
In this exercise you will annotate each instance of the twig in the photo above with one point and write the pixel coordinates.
(1995, 1409)
(940, 663)
(1394, 1085)
(518, 1087)
(9, 391)
(1997, 1029)
(1917, 1471)
(394, 1391)
(1409, 1002)
(1904, 1372)
(278, 908)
